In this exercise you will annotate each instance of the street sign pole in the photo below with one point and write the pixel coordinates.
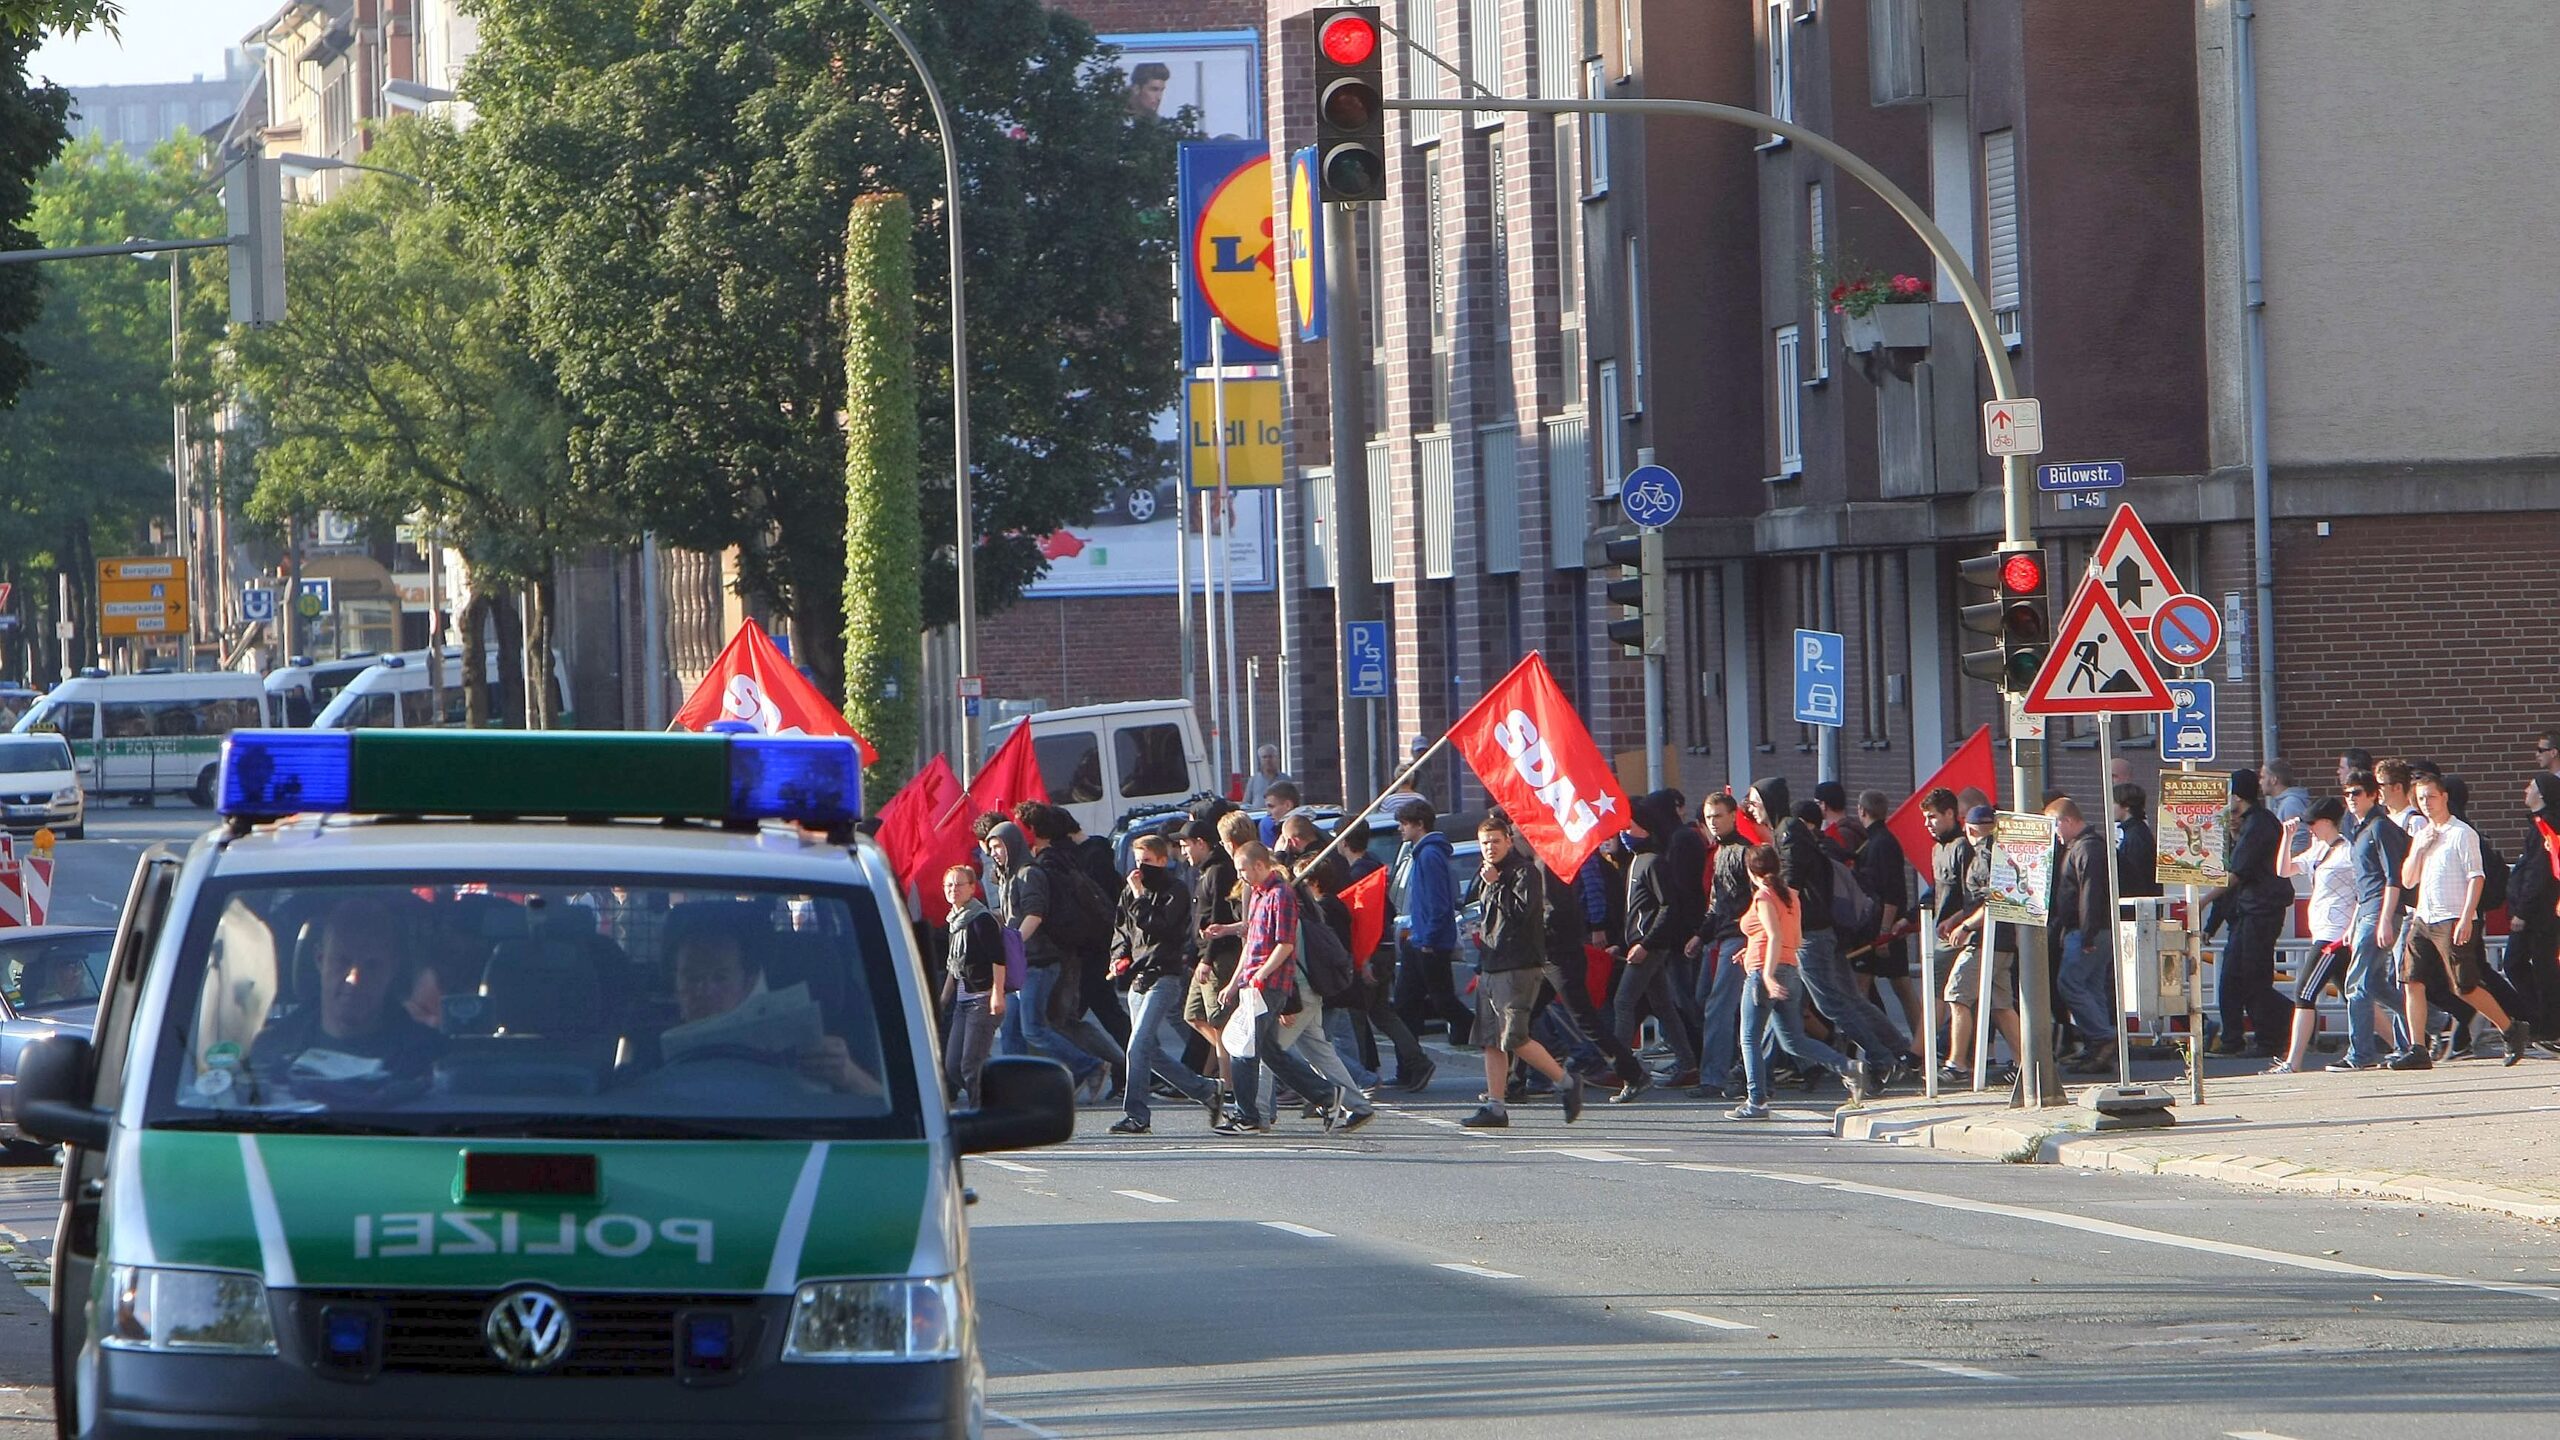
(2119, 962)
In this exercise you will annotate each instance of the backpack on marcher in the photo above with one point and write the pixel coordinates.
(1080, 915)
(1326, 959)
(1855, 913)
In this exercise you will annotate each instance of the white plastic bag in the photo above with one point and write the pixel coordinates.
(1238, 1036)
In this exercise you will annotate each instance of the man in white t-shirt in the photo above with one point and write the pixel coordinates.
(2444, 878)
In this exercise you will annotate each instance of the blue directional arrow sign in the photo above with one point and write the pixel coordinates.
(2186, 732)
(1820, 674)
(1651, 496)
(1364, 659)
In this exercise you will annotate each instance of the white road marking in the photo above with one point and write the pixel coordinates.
(1694, 1318)
(2114, 1230)
(1308, 1231)
(1961, 1372)
(1149, 1196)
(1014, 1166)
(1476, 1270)
(1025, 1426)
(1612, 1155)
(1960, 1300)
(2255, 1435)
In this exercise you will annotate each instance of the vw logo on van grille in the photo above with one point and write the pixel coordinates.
(528, 1330)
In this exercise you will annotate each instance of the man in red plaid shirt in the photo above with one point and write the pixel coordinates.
(1270, 966)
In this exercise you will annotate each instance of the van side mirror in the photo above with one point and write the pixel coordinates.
(1022, 1101)
(53, 1094)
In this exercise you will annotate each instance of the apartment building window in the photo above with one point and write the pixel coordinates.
(1633, 288)
(1568, 261)
(1553, 72)
(1436, 257)
(1818, 245)
(1484, 57)
(2000, 230)
(1597, 131)
(1424, 80)
(1626, 39)
(1605, 425)
(1782, 47)
(1785, 373)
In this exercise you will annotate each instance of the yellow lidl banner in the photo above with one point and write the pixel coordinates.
(1253, 435)
(142, 595)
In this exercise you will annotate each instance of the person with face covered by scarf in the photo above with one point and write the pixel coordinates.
(2532, 961)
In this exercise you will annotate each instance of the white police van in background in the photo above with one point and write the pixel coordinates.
(159, 732)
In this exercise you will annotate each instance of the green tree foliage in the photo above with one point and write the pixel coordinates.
(31, 135)
(30, 18)
(401, 383)
(669, 181)
(84, 454)
(883, 611)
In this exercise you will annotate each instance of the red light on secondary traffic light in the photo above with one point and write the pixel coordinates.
(2022, 573)
(1348, 39)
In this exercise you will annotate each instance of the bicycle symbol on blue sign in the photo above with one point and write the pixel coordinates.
(1651, 496)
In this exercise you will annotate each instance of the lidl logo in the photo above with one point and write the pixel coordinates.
(1306, 247)
(1229, 253)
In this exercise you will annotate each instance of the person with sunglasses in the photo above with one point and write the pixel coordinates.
(2376, 852)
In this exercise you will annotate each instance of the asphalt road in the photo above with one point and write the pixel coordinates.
(91, 875)
(1657, 1271)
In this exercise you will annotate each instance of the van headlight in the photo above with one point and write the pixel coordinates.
(67, 795)
(219, 1312)
(845, 1320)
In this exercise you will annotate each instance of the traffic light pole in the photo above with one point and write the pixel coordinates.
(1355, 597)
(2039, 1082)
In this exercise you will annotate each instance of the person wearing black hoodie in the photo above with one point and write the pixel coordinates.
(1805, 864)
(1661, 920)
(2532, 960)
(2255, 899)
(1568, 971)
(1150, 948)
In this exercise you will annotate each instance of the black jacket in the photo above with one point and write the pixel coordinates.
(2255, 886)
(1568, 926)
(1154, 929)
(2080, 890)
(1803, 861)
(977, 953)
(1684, 866)
(2137, 859)
(1654, 902)
(1213, 902)
(1515, 916)
(1728, 892)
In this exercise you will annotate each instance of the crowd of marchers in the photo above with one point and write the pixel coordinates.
(1257, 964)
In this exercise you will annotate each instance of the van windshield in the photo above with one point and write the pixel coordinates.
(71, 719)
(26, 755)
(494, 1004)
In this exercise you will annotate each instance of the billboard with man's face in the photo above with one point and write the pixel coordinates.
(1215, 74)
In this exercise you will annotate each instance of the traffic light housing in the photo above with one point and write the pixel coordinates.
(1640, 589)
(2018, 618)
(253, 200)
(1351, 110)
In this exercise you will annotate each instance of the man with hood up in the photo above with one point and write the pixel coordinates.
(2533, 908)
(1806, 867)
(1027, 1031)
(2256, 900)
(1662, 917)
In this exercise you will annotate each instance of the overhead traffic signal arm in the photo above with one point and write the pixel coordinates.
(1641, 588)
(1350, 104)
(2017, 617)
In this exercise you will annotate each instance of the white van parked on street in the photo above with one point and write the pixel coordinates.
(393, 694)
(150, 734)
(300, 689)
(1101, 761)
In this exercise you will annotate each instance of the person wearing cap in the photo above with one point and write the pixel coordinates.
(1962, 864)
(2255, 901)
(1217, 903)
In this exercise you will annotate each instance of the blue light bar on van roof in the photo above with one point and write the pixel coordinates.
(813, 780)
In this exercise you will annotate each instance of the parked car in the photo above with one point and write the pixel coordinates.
(1139, 504)
(49, 981)
(40, 787)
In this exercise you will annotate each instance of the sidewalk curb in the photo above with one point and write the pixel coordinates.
(2068, 1141)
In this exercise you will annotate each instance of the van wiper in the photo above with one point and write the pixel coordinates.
(590, 1127)
(280, 1122)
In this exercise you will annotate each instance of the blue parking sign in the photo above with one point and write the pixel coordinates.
(1820, 660)
(2186, 732)
(1364, 659)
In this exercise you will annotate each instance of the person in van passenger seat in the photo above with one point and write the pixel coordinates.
(716, 974)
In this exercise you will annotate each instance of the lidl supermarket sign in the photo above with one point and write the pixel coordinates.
(1228, 252)
(1306, 247)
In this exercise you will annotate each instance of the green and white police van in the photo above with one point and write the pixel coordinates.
(153, 734)
(411, 1112)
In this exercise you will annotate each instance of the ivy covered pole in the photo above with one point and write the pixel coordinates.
(883, 549)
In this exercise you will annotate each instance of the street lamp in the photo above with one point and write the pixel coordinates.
(179, 518)
(303, 166)
(964, 562)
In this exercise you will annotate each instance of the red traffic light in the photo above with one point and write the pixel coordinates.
(2022, 573)
(1348, 39)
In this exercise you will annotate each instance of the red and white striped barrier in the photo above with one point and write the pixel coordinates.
(26, 885)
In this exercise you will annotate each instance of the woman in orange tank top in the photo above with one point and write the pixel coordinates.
(1772, 929)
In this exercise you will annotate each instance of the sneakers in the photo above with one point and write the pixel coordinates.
(1233, 1124)
(1091, 1089)
(1488, 1117)
(2280, 1067)
(1748, 1110)
(1571, 1093)
(1707, 1092)
(1420, 1080)
(1216, 1104)
(2518, 1036)
(2228, 1049)
(2100, 1059)
(1631, 1091)
(2412, 1058)
(1126, 1126)
(1855, 1077)
(1955, 1075)
(1682, 1080)
(1353, 1120)
(2349, 1062)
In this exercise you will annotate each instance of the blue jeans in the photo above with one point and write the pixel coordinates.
(1159, 1015)
(1027, 1030)
(1346, 1043)
(1719, 993)
(2088, 987)
(1833, 988)
(2369, 983)
(1761, 1012)
(964, 1050)
(1246, 1070)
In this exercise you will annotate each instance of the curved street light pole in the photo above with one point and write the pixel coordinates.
(964, 552)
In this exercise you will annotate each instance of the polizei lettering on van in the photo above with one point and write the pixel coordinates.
(403, 1234)
(1518, 736)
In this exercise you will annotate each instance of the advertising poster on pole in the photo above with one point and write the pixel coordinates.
(2021, 869)
(2193, 811)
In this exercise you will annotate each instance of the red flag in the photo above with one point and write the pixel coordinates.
(755, 682)
(1532, 752)
(919, 844)
(1366, 899)
(1010, 776)
(1970, 767)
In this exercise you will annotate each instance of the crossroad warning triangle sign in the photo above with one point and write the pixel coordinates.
(2129, 563)
(2097, 667)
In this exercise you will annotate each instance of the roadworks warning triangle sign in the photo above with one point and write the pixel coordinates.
(2129, 563)
(2096, 667)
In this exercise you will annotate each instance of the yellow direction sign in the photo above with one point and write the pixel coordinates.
(142, 595)
(1253, 435)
